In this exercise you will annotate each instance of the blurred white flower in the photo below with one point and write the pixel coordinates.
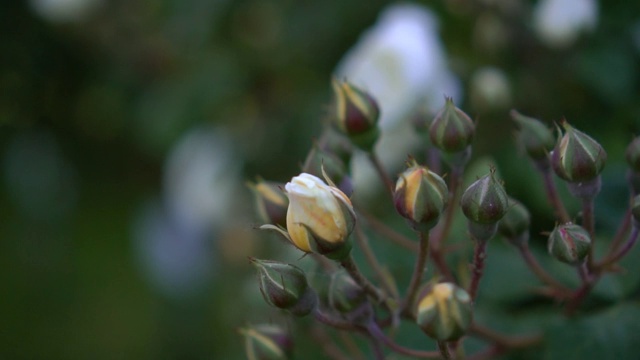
(200, 178)
(177, 261)
(64, 10)
(402, 63)
(490, 89)
(558, 23)
(174, 239)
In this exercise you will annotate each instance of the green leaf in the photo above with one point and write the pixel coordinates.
(612, 334)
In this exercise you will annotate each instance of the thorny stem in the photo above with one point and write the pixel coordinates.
(588, 222)
(444, 350)
(489, 353)
(577, 297)
(351, 267)
(454, 191)
(615, 253)
(363, 242)
(588, 281)
(479, 255)
(351, 346)
(539, 271)
(377, 349)
(332, 321)
(623, 228)
(388, 232)
(377, 333)
(587, 284)
(621, 232)
(433, 159)
(552, 194)
(381, 171)
(583, 272)
(440, 262)
(418, 271)
(511, 342)
(328, 345)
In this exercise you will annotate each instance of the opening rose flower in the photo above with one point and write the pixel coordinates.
(320, 217)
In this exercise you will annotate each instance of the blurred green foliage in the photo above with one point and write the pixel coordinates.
(89, 110)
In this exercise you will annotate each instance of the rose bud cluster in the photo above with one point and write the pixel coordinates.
(356, 114)
(320, 217)
(569, 243)
(267, 342)
(285, 286)
(420, 196)
(445, 312)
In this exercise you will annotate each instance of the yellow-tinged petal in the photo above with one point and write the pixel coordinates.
(298, 234)
(413, 182)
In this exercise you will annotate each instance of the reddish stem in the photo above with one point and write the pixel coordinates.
(479, 256)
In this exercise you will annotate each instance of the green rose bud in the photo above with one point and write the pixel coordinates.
(270, 201)
(536, 138)
(569, 243)
(420, 196)
(357, 114)
(345, 294)
(445, 312)
(451, 130)
(285, 287)
(484, 203)
(633, 154)
(514, 226)
(267, 342)
(576, 156)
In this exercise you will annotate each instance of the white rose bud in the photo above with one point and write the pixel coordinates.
(320, 217)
